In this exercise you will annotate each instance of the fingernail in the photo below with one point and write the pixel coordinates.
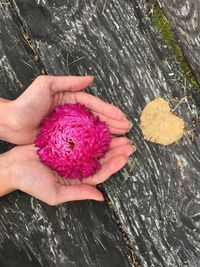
(130, 141)
(100, 199)
(133, 148)
(130, 125)
(92, 82)
(124, 117)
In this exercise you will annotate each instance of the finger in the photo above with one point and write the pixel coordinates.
(117, 131)
(30, 150)
(4, 100)
(78, 192)
(28, 136)
(118, 141)
(65, 83)
(119, 124)
(126, 150)
(97, 105)
(107, 169)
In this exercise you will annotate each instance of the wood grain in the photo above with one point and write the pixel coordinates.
(157, 195)
(184, 16)
(17, 65)
(31, 233)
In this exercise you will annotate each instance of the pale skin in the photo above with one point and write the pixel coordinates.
(20, 168)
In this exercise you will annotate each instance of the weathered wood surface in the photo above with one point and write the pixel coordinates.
(157, 196)
(184, 16)
(16, 66)
(33, 234)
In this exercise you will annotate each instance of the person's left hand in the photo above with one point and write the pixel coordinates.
(23, 168)
(26, 113)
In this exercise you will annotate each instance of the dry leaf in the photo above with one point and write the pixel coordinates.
(159, 125)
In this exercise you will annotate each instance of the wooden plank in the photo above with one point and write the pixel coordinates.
(184, 16)
(17, 64)
(31, 233)
(157, 195)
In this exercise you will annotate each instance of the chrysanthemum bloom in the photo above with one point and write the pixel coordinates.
(72, 140)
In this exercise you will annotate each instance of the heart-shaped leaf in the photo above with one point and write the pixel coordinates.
(159, 124)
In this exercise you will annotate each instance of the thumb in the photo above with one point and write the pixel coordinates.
(63, 83)
(78, 192)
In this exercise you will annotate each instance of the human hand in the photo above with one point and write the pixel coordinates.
(24, 115)
(23, 169)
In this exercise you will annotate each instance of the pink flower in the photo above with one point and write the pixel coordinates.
(72, 140)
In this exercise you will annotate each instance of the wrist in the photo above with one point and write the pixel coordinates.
(7, 123)
(7, 183)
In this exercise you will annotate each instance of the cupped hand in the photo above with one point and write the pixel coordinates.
(47, 92)
(31, 176)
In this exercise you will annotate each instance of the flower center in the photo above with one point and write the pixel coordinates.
(71, 145)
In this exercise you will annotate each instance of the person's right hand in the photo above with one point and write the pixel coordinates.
(22, 166)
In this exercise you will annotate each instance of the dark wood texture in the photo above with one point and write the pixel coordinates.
(157, 195)
(33, 234)
(17, 65)
(184, 16)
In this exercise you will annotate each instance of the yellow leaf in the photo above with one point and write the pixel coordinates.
(159, 124)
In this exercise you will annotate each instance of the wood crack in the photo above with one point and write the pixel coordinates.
(27, 37)
(125, 238)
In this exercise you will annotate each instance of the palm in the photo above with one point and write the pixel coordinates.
(45, 93)
(36, 179)
(27, 112)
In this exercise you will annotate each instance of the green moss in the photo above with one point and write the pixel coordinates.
(169, 38)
